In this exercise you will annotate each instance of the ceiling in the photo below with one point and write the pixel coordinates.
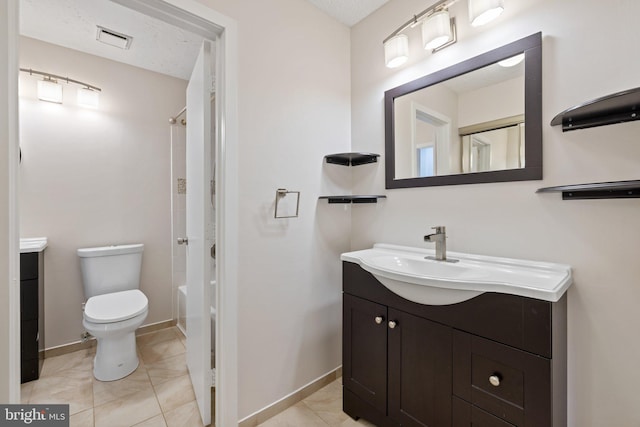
(156, 46)
(349, 12)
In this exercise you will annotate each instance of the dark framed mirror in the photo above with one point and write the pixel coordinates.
(477, 121)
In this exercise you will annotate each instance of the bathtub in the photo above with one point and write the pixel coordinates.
(182, 311)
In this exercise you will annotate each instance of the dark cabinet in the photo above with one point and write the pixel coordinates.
(31, 315)
(495, 360)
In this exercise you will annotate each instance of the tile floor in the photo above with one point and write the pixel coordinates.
(321, 409)
(159, 392)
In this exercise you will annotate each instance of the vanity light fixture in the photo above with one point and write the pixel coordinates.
(396, 51)
(438, 28)
(51, 91)
(484, 11)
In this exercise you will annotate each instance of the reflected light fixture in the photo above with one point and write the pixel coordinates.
(49, 89)
(484, 11)
(396, 50)
(436, 30)
(511, 62)
(88, 97)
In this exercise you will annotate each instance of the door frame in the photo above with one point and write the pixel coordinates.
(180, 12)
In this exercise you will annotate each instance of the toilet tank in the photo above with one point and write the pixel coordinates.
(110, 268)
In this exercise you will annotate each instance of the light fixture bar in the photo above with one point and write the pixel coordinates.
(441, 5)
(65, 79)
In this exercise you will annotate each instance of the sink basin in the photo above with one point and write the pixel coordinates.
(406, 272)
(36, 244)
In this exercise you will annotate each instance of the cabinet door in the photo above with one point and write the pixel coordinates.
(419, 371)
(365, 351)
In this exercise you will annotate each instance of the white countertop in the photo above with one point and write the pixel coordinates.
(33, 244)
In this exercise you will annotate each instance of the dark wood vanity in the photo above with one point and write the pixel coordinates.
(31, 315)
(494, 360)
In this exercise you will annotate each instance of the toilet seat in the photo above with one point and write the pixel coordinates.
(115, 307)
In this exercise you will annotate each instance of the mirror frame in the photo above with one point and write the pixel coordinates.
(532, 48)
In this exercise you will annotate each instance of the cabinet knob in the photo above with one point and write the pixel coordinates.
(494, 380)
(183, 241)
(392, 324)
(379, 319)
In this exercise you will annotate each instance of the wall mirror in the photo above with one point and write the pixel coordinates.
(474, 122)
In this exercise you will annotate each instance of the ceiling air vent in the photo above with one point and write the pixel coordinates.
(113, 38)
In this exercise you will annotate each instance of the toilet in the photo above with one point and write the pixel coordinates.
(115, 306)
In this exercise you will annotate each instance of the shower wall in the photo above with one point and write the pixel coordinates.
(178, 209)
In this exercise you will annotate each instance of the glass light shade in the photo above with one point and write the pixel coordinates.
(396, 51)
(436, 30)
(484, 11)
(50, 91)
(513, 61)
(88, 98)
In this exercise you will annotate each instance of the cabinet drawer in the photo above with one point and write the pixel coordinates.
(511, 384)
(467, 415)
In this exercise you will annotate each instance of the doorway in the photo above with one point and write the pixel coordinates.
(194, 15)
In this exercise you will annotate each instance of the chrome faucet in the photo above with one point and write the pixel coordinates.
(440, 239)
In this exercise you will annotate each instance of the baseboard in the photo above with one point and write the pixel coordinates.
(302, 393)
(79, 345)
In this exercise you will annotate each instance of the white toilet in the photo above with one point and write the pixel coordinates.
(115, 306)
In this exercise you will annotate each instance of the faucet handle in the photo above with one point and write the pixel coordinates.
(440, 229)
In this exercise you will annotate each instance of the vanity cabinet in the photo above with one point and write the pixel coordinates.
(31, 315)
(494, 360)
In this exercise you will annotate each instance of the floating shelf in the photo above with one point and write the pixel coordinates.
(352, 199)
(352, 159)
(600, 190)
(616, 108)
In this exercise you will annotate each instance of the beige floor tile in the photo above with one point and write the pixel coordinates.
(106, 391)
(186, 415)
(81, 359)
(166, 369)
(158, 336)
(157, 421)
(25, 391)
(327, 404)
(161, 350)
(174, 393)
(82, 419)
(127, 411)
(360, 423)
(296, 416)
(72, 386)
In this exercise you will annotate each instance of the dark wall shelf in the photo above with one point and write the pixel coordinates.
(600, 190)
(619, 107)
(352, 159)
(352, 199)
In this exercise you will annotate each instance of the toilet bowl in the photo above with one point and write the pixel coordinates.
(115, 307)
(113, 319)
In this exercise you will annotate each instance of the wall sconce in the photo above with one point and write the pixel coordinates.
(438, 28)
(484, 11)
(51, 91)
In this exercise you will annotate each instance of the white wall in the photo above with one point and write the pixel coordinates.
(96, 177)
(294, 108)
(587, 53)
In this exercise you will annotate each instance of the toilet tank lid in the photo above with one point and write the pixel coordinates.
(110, 250)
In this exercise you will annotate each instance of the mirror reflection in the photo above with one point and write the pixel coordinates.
(477, 121)
(470, 123)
